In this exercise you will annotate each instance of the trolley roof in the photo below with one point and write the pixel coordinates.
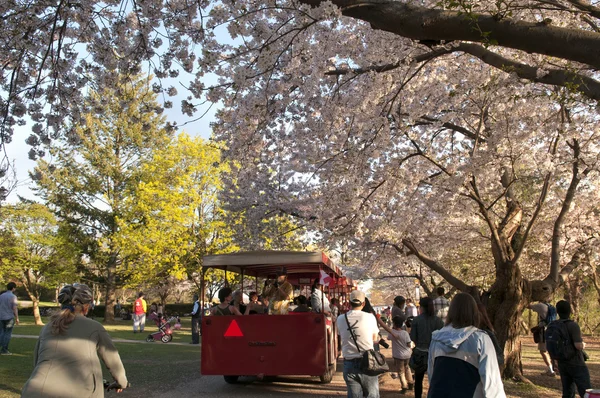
(266, 263)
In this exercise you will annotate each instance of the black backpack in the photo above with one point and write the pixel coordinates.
(558, 341)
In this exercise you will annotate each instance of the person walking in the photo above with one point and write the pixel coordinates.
(441, 304)
(139, 313)
(9, 316)
(67, 354)
(462, 358)
(565, 345)
(421, 330)
(358, 331)
(401, 351)
(196, 319)
(546, 314)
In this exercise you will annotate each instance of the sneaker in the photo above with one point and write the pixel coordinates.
(549, 373)
(5, 352)
(403, 391)
(394, 376)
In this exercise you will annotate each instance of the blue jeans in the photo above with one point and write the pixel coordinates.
(571, 377)
(6, 328)
(359, 384)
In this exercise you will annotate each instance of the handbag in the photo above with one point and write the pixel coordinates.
(537, 332)
(373, 362)
(418, 360)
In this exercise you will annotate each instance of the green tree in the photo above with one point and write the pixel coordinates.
(35, 250)
(96, 170)
(174, 218)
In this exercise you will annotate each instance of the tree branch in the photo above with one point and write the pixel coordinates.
(451, 126)
(499, 254)
(553, 277)
(340, 71)
(542, 198)
(435, 266)
(583, 6)
(554, 77)
(421, 23)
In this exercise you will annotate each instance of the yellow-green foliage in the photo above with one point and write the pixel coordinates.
(33, 248)
(174, 217)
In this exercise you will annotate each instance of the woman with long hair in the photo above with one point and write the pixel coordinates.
(68, 352)
(422, 328)
(462, 358)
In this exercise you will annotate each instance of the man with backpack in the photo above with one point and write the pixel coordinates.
(546, 314)
(565, 345)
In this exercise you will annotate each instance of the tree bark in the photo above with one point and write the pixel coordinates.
(573, 295)
(421, 23)
(111, 288)
(30, 283)
(37, 318)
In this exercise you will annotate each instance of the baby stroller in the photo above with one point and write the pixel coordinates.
(164, 334)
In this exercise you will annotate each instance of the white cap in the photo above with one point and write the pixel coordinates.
(357, 297)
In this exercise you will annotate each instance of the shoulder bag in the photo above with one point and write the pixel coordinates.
(373, 362)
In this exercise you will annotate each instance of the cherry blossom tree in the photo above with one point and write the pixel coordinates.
(53, 51)
(452, 131)
(380, 142)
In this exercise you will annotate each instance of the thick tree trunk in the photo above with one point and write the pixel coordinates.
(36, 311)
(573, 295)
(416, 22)
(111, 289)
(507, 300)
(30, 283)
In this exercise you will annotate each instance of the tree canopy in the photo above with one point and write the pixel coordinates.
(52, 52)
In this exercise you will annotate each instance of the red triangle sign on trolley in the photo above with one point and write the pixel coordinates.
(233, 330)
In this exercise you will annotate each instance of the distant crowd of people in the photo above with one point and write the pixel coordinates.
(454, 343)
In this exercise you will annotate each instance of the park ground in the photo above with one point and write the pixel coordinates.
(173, 369)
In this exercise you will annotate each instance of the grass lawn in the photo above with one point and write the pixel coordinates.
(28, 304)
(120, 330)
(147, 364)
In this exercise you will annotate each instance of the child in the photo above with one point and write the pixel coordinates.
(401, 351)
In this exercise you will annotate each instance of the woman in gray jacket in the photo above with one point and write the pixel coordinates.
(462, 358)
(68, 351)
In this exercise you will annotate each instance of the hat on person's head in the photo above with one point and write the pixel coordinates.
(83, 294)
(282, 271)
(357, 297)
(66, 294)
